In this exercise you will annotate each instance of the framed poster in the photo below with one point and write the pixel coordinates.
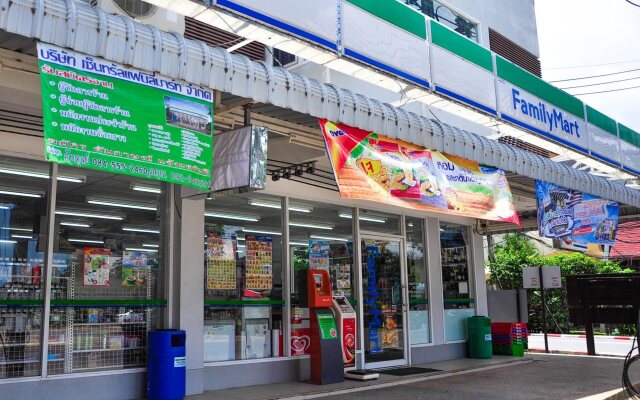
(221, 261)
(96, 267)
(259, 255)
(318, 255)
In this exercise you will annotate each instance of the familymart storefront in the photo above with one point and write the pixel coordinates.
(93, 258)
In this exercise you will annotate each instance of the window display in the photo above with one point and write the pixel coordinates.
(458, 301)
(419, 331)
(243, 286)
(320, 237)
(23, 210)
(106, 268)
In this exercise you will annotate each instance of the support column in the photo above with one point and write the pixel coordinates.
(434, 265)
(479, 280)
(188, 282)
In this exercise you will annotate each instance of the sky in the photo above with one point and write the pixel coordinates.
(577, 36)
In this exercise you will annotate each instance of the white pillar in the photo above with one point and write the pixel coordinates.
(479, 280)
(436, 296)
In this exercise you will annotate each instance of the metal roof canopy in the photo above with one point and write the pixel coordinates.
(120, 39)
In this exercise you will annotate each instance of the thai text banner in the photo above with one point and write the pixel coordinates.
(108, 117)
(570, 213)
(369, 166)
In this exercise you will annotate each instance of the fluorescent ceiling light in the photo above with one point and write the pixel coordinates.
(4, 208)
(140, 229)
(22, 237)
(42, 175)
(411, 224)
(239, 239)
(361, 218)
(240, 246)
(145, 188)
(141, 249)
(7, 241)
(298, 243)
(150, 245)
(76, 224)
(311, 225)
(20, 192)
(124, 204)
(269, 204)
(89, 215)
(250, 218)
(262, 232)
(328, 238)
(10, 228)
(78, 240)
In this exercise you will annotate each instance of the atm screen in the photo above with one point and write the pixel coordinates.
(317, 278)
(341, 301)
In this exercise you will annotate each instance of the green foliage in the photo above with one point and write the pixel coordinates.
(517, 251)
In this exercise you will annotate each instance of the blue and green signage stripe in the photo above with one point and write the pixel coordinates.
(461, 46)
(602, 121)
(227, 303)
(537, 87)
(396, 14)
(629, 135)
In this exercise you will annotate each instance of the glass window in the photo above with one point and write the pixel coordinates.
(418, 285)
(379, 222)
(446, 16)
(107, 262)
(23, 223)
(243, 277)
(320, 237)
(456, 284)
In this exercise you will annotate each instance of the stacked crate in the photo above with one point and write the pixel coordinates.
(509, 338)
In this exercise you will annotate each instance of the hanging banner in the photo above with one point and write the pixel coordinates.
(134, 268)
(369, 166)
(259, 254)
(101, 115)
(97, 267)
(585, 218)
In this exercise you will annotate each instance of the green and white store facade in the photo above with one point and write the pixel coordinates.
(62, 335)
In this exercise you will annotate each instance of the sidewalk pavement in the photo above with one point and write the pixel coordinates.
(537, 376)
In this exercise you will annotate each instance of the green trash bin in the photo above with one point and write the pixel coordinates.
(479, 337)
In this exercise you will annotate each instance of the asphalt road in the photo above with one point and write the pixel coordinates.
(576, 344)
(549, 377)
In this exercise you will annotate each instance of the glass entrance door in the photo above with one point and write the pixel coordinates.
(384, 319)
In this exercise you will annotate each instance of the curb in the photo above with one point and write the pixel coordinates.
(568, 336)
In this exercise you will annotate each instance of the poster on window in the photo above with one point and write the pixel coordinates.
(319, 255)
(221, 261)
(370, 166)
(568, 213)
(96, 267)
(134, 268)
(259, 255)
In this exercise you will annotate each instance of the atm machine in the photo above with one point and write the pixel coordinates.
(345, 317)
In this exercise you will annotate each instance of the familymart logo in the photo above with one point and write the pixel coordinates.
(554, 119)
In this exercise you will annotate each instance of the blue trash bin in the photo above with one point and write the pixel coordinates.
(166, 365)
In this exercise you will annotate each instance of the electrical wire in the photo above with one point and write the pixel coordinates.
(600, 83)
(606, 91)
(632, 3)
(595, 76)
(593, 65)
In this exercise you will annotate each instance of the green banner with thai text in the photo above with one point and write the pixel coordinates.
(105, 116)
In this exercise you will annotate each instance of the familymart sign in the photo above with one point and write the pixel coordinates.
(105, 116)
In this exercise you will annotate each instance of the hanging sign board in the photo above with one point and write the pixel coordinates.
(369, 166)
(551, 278)
(101, 115)
(585, 218)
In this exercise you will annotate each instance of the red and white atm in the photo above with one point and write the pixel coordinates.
(345, 317)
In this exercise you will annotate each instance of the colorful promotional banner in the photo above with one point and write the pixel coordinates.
(259, 254)
(134, 268)
(101, 115)
(585, 218)
(97, 267)
(369, 166)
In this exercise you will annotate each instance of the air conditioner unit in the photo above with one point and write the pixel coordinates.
(143, 12)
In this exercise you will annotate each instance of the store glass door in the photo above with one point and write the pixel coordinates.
(383, 288)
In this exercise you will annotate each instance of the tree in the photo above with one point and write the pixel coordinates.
(517, 251)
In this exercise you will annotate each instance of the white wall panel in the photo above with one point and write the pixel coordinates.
(453, 72)
(385, 43)
(630, 155)
(603, 143)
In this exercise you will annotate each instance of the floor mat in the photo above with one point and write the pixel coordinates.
(407, 371)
